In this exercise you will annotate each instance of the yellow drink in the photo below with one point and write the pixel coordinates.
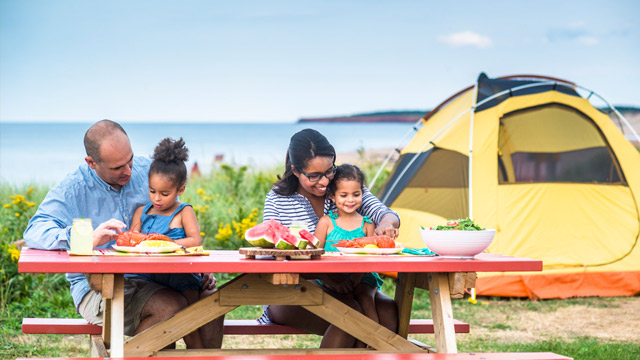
(296, 226)
(81, 237)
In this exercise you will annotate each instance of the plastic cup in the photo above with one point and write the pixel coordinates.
(81, 237)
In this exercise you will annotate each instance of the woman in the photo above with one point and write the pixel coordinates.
(301, 195)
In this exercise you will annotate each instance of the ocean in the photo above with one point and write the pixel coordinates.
(43, 153)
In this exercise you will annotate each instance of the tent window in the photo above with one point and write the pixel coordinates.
(554, 143)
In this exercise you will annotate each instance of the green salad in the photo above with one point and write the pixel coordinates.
(458, 224)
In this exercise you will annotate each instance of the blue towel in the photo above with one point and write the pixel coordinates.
(424, 251)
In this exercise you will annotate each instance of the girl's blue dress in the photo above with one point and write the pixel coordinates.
(159, 224)
(338, 234)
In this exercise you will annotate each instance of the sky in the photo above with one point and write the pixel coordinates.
(278, 61)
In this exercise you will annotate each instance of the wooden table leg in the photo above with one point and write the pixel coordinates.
(117, 317)
(153, 339)
(442, 312)
(404, 299)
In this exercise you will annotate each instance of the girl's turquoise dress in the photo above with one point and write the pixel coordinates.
(159, 224)
(339, 233)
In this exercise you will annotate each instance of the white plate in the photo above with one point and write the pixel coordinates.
(139, 249)
(370, 251)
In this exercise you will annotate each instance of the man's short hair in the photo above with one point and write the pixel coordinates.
(96, 134)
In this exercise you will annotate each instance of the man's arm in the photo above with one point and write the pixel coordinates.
(50, 226)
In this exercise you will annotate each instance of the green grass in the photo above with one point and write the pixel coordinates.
(228, 201)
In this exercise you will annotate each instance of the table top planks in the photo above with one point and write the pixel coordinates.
(229, 261)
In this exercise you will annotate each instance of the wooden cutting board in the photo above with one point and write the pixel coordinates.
(279, 254)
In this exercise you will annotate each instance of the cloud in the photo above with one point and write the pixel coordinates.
(574, 32)
(466, 38)
(588, 40)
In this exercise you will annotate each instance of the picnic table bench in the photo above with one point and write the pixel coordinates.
(362, 355)
(231, 327)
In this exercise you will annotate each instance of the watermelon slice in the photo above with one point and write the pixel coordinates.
(273, 234)
(262, 235)
(289, 242)
(305, 234)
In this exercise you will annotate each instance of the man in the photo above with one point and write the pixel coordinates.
(108, 189)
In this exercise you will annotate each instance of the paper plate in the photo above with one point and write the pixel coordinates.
(370, 251)
(139, 249)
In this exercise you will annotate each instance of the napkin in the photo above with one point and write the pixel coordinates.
(424, 251)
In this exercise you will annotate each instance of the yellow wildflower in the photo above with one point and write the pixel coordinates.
(17, 214)
(200, 191)
(30, 190)
(30, 204)
(17, 199)
(201, 233)
(15, 254)
(7, 205)
(224, 232)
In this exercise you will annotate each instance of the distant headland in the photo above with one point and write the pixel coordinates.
(410, 116)
(632, 113)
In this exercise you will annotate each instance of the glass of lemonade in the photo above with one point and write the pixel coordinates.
(296, 226)
(81, 237)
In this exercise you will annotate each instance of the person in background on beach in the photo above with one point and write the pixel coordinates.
(345, 190)
(301, 195)
(107, 189)
(167, 216)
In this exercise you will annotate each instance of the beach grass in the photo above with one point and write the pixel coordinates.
(228, 201)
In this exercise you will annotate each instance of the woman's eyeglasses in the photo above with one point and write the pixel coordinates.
(315, 177)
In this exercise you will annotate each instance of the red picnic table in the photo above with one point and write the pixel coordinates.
(270, 282)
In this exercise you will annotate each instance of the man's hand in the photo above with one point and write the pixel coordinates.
(107, 231)
(208, 282)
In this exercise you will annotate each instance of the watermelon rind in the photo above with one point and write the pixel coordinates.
(263, 243)
(301, 243)
(285, 245)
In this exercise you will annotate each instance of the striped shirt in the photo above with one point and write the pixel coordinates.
(287, 209)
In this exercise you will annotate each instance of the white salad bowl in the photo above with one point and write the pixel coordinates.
(457, 243)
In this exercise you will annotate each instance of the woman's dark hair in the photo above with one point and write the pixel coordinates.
(168, 160)
(346, 172)
(304, 146)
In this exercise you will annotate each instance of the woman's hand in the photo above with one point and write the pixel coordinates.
(386, 229)
(388, 226)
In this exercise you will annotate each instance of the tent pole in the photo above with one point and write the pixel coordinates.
(414, 129)
(618, 114)
(471, 116)
(417, 154)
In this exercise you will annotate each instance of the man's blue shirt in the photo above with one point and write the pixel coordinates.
(83, 193)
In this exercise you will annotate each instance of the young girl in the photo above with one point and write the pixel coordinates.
(346, 191)
(168, 216)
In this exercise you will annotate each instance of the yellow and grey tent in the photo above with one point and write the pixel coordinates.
(531, 157)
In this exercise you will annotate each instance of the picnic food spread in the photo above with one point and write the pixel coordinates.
(459, 224)
(271, 233)
(134, 238)
(381, 241)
